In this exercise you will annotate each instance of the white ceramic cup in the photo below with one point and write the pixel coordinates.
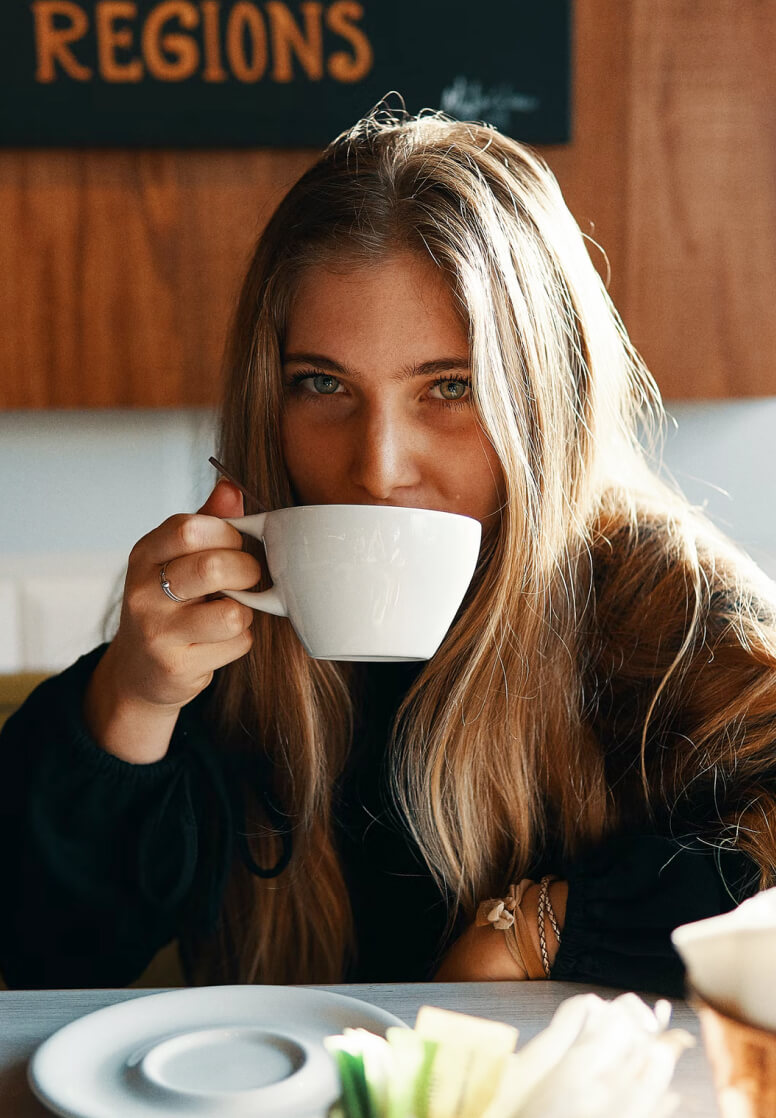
(364, 582)
(729, 959)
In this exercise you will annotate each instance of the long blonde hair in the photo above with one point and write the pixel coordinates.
(598, 573)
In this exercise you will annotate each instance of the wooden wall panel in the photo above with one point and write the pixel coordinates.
(118, 268)
(593, 169)
(701, 210)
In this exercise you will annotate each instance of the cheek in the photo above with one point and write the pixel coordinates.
(295, 451)
(475, 471)
(310, 457)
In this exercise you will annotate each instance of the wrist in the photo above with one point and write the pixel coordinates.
(557, 893)
(480, 955)
(130, 728)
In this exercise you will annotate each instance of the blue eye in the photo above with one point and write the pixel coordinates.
(325, 384)
(315, 384)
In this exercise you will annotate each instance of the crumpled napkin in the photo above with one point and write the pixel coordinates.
(596, 1059)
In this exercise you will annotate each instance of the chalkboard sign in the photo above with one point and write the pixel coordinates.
(234, 73)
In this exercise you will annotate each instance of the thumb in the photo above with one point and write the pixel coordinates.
(225, 500)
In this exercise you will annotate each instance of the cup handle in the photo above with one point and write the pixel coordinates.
(269, 601)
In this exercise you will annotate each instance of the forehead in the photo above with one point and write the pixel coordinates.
(402, 302)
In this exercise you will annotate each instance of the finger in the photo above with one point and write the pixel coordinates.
(210, 623)
(210, 572)
(225, 500)
(184, 534)
(206, 658)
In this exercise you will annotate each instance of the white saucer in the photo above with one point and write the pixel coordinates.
(211, 1051)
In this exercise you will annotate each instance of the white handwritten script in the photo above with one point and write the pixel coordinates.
(470, 100)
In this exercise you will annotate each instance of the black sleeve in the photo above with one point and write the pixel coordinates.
(103, 861)
(626, 897)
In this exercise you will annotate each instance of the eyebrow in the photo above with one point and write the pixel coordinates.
(422, 369)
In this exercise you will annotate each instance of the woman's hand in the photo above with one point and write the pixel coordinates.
(165, 652)
(481, 955)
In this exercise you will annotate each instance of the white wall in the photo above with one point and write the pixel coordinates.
(722, 455)
(79, 488)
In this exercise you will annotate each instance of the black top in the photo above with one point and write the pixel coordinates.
(103, 861)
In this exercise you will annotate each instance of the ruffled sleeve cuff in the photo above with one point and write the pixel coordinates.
(625, 898)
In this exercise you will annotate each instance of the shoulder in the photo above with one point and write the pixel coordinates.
(680, 673)
(666, 583)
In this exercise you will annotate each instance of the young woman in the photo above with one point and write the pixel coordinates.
(420, 325)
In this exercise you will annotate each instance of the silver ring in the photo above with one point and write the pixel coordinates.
(166, 586)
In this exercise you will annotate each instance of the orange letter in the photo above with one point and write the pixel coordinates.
(241, 16)
(182, 45)
(307, 46)
(214, 71)
(341, 66)
(51, 42)
(108, 38)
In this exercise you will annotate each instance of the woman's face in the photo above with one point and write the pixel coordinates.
(377, 404)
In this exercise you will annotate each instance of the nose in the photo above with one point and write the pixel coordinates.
(385, 456)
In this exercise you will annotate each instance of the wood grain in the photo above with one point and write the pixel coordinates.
(701, 210)
(593, 169)
(118, 269)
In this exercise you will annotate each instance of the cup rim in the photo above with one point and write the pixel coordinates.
(378, 508)
(699, 1000)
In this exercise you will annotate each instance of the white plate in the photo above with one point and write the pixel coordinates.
(211, 1051)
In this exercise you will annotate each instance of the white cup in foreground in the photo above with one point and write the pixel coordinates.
(732, 978)
(731, 959)
(364, 582)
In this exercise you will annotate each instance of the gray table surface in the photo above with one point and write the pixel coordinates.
(29, 1017)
